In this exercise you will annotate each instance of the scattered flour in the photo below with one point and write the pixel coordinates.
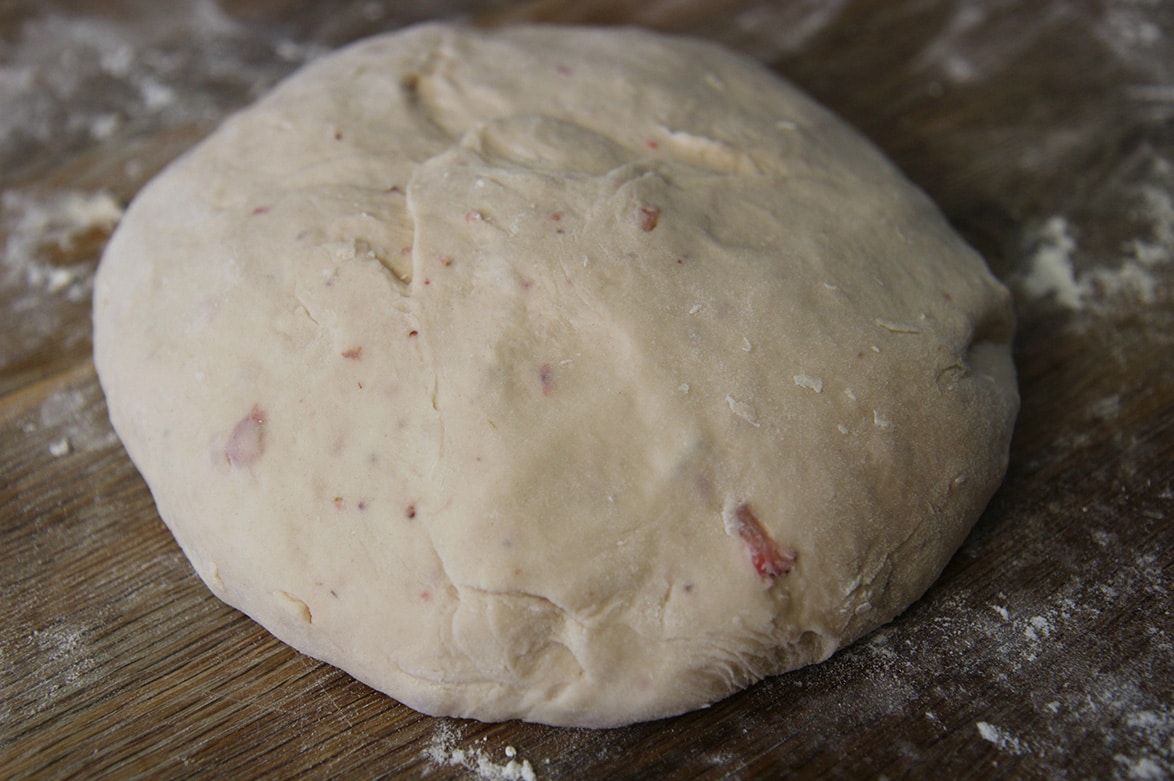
(964, 51)
(1158, 206)
(79, 419)
(73, 79)
(1047, 653)
(61, 447)
(1145, 768)
(444, 751)
(1051, 271)
(1003, 740)
(33, 225)
(48, 252)
(777, 28)
(66, 661)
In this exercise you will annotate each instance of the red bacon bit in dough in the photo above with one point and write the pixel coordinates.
(770, 560)
(647, 218)
(413, 332)
(353, 354)
(652, 143)
(546, 376)
(246, 443)
(261, 210)
(410, 512)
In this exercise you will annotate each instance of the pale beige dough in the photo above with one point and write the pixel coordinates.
(481, 364)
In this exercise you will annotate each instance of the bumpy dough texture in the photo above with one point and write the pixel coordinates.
(577, 376)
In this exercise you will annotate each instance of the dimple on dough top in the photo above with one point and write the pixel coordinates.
(578, 376)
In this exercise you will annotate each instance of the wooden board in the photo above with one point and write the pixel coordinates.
(1046, 132)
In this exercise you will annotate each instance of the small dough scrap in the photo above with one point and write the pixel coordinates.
(572, 375)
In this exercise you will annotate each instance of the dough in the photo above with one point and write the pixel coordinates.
(570, 375)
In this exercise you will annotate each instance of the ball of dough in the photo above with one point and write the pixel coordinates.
(577, 376)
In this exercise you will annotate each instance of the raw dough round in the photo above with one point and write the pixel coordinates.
(570, 375)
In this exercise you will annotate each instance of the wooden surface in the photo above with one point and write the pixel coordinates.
(1046, 132)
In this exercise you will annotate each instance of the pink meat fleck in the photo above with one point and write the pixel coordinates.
(353, 354)
(546, 376)
(246, 443)
(260, 210)
(770, 560)
(647, 218)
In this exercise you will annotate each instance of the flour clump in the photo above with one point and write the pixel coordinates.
(578, 376)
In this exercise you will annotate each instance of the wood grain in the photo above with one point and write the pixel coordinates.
(1045, 132)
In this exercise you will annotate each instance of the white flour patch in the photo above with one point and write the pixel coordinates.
(444, 750)
(60, 448)
(71, 80)
(48, 252)
(1131, 279)
(1145, 768)
(36, 226)
(1050, 272)
(76, 416)
(1002, 739)
(1157, 206)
